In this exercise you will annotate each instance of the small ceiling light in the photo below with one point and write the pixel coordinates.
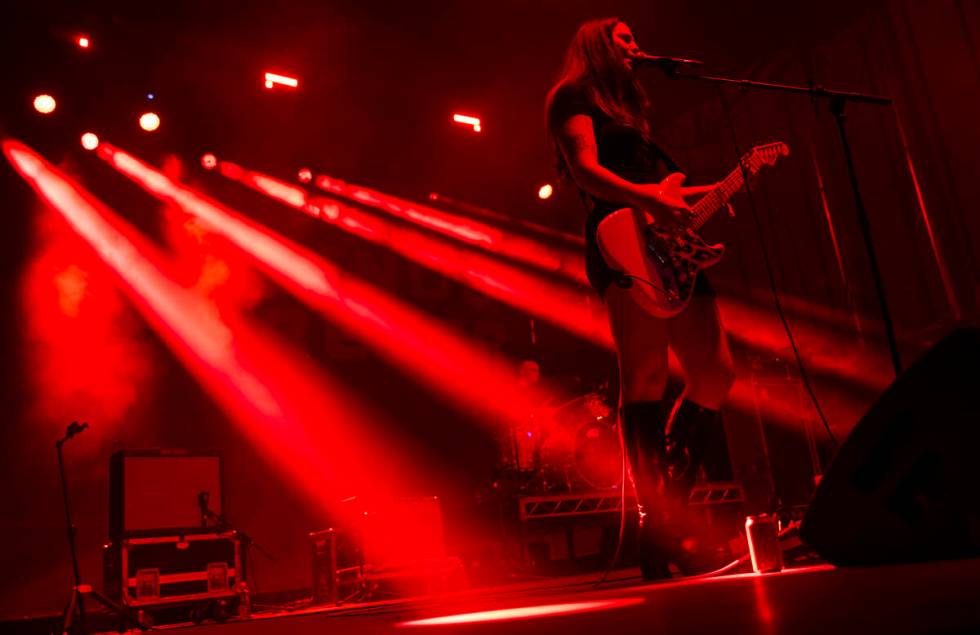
(45, 104)
(90, 141)
(149, 121)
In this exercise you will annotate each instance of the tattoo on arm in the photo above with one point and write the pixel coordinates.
(580, 143)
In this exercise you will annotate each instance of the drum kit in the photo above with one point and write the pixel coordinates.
(570, 447)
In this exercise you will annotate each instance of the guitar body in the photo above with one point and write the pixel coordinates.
(663, 264)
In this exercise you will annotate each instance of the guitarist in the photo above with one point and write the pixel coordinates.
(597, 120)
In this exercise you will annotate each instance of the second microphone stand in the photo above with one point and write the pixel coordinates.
(837, 101)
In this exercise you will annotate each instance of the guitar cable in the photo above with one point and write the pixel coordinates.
(771, 276)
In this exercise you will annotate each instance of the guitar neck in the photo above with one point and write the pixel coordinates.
(716, 198)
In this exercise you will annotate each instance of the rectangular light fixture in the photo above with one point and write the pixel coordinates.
(272, 79)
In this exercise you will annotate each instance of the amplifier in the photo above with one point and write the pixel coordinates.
(152, 571)
(158, 492)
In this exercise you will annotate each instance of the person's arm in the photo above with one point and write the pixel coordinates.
(577, 142)
(697, 189)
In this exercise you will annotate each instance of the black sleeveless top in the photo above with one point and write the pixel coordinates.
(622, 150)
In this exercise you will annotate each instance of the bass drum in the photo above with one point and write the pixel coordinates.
(583, 442)
(598, 456)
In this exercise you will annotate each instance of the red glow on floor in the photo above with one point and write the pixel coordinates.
(275, 79)
(525, 612)
(45, 104)
(149, 121)
(431, 351)
(316, 431)
(554, 259)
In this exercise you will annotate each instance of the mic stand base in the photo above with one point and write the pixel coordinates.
(74, 617)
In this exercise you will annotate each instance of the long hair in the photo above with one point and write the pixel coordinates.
(592, 64)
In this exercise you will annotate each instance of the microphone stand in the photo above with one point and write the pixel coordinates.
(76, 603)
(220, 523)
(837, 101)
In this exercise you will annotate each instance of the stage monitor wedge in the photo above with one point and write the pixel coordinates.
(905, 486)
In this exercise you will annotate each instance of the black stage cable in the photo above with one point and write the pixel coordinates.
(771, 276)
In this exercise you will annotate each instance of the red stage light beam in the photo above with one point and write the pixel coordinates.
(558, 260)
(312, 428)
(83, 42)
(563, 305)
(429, 350)
(275, 79)
(572, 309)
(470, 210)
(826, 350)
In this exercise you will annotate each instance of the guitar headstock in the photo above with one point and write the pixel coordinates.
(766, 154)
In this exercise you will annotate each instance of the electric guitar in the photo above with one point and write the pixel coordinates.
(663, 262)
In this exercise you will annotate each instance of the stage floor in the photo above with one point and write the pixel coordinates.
(941, 597)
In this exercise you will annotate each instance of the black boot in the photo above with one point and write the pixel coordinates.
(717, 461)
(696, 438)
(643, 424)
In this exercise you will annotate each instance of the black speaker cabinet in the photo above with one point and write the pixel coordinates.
(905, 486)
(158, 492)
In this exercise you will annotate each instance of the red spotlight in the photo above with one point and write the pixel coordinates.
(208, 161)
(149, 121)
(83, 42)
(273, 79)
(45, 104)
(433, 351)
(545, 191)
(305, 175)
(90, 141)
(469, 121)
(501, 242)
(279, 399)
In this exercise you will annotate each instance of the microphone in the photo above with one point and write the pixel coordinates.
(664, 62)
(202, 503)
(73, 428)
